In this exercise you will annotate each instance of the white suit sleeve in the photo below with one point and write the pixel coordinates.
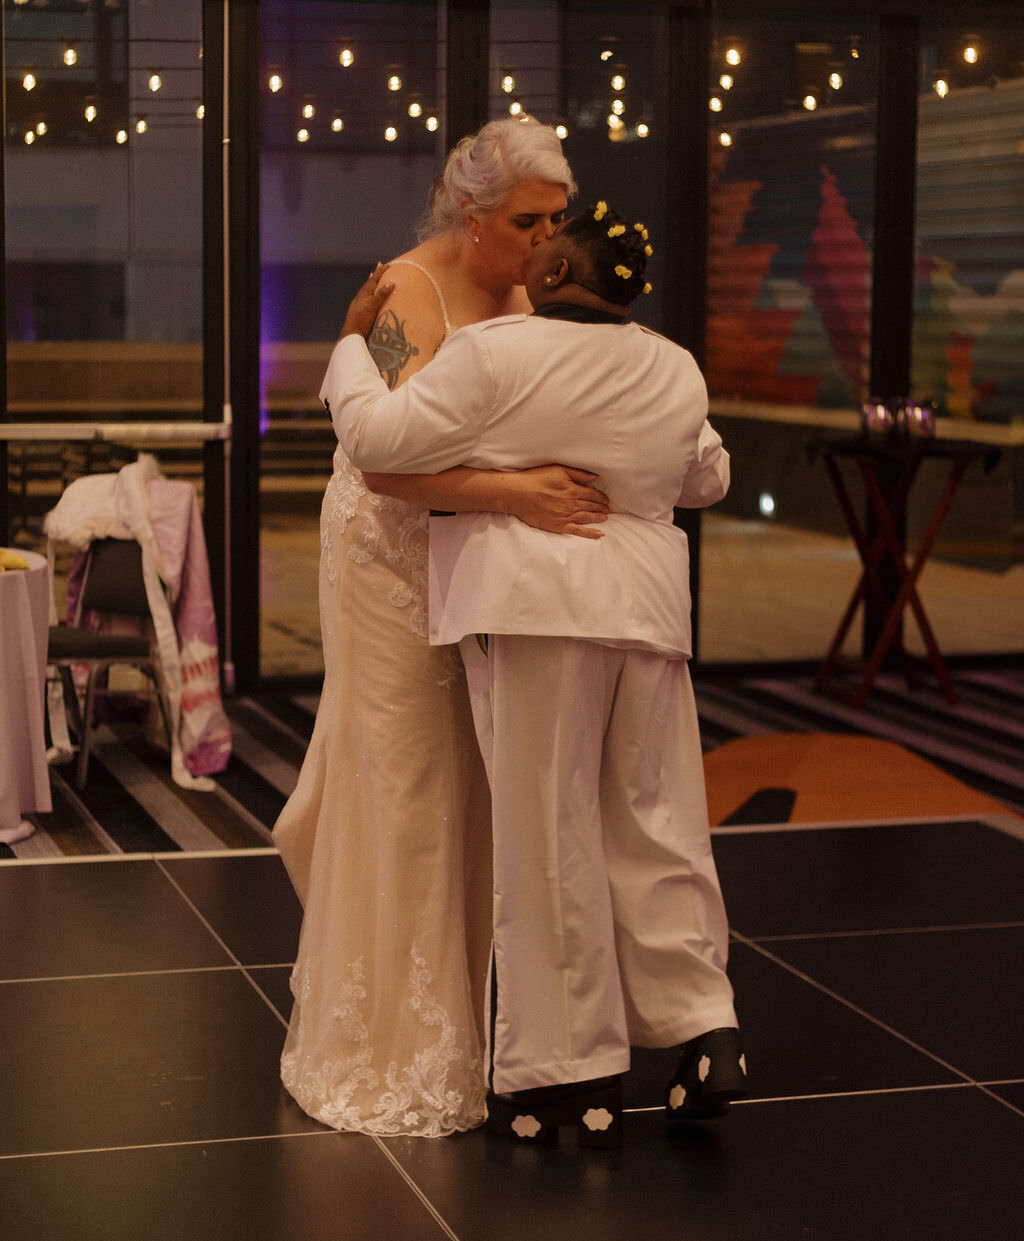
(707, 481)
(428, 424)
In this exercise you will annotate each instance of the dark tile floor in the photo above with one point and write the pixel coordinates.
(877, 970)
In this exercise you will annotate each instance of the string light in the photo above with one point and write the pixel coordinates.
(618, 82)
(394, 82)
(562, 131)
(346, 57)
(28, 82)
(733, 56)
(390, 134)
(90, 112)
(141, 125)
(515, 108)
(606, 54)
(835, 80)
(40, 128)
(615, 123)
(200, 111)
(941, 87)
(810, 101)
(155, 81)
(275, 82)
(508, 83)
(642, 130)
(725, 138)
(432, 123)
(970, 54)
(715, 104)
(303, 135)
(337, 124)
(415, 109)
(618, 107)
(726, 81)
(70, 56)
(30, 136)
(121, 137)
(308, 111)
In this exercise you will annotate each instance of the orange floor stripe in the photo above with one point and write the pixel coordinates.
(836, 777)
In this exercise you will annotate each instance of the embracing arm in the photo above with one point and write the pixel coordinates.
(556, 498)
(553, 497)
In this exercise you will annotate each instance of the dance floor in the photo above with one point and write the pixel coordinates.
(877, 969)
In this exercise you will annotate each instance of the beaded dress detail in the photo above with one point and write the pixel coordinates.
(387, 841)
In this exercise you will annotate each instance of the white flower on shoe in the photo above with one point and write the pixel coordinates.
(526, 1126)
(677, 1096)
(703, 1067)
(597, 1118)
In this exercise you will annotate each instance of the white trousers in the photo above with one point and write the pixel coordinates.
(609, 925)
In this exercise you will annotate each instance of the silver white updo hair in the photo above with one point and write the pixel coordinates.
(485, 166)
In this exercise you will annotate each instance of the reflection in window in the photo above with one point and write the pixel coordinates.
(969, 310)
(590, 71)
(792, 169)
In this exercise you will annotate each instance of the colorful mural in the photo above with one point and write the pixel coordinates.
(789, 292)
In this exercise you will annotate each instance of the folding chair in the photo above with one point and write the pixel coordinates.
(113, 584)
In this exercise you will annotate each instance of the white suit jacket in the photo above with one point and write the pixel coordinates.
(527, 390)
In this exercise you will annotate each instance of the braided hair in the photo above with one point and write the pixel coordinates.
(616, 252)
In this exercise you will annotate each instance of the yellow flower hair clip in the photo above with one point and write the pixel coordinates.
(639, 227)
(648, 251)
(624, 272)
(647, 287)
(616, 230)
(601, 210)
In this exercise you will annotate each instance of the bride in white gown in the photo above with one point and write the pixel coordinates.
(387, 834)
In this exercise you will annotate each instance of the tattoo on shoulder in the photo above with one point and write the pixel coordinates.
(389, 347)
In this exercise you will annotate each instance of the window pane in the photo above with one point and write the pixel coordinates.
(590, 69)
(351, 104)
(969, 326)
(103, 270)
(792, 110)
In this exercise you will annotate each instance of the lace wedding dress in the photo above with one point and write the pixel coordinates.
(387, 841)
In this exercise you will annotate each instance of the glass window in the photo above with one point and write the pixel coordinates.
(969, 324)
(103, 234)
(590, 70)
(792, 152)
(351, 137)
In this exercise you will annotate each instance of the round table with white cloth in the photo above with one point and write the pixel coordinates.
(24, 632)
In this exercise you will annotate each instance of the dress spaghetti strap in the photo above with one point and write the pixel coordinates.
(448, 329)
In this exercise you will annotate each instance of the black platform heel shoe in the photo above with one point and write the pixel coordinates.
(534, 1116)
(711, 1073)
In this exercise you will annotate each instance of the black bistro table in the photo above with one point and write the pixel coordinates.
(889, 576)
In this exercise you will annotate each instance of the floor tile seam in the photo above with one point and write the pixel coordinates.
(893, 930)
(177, 855)
(223, 944)
(169, 973)
(1017, 1111)
(417, 1192)
(832, 1094)
(826, 825)
(319, 1132)
(856, 1008)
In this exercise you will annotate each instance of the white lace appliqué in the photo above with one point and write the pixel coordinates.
(438, 1093)
(386, 527)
